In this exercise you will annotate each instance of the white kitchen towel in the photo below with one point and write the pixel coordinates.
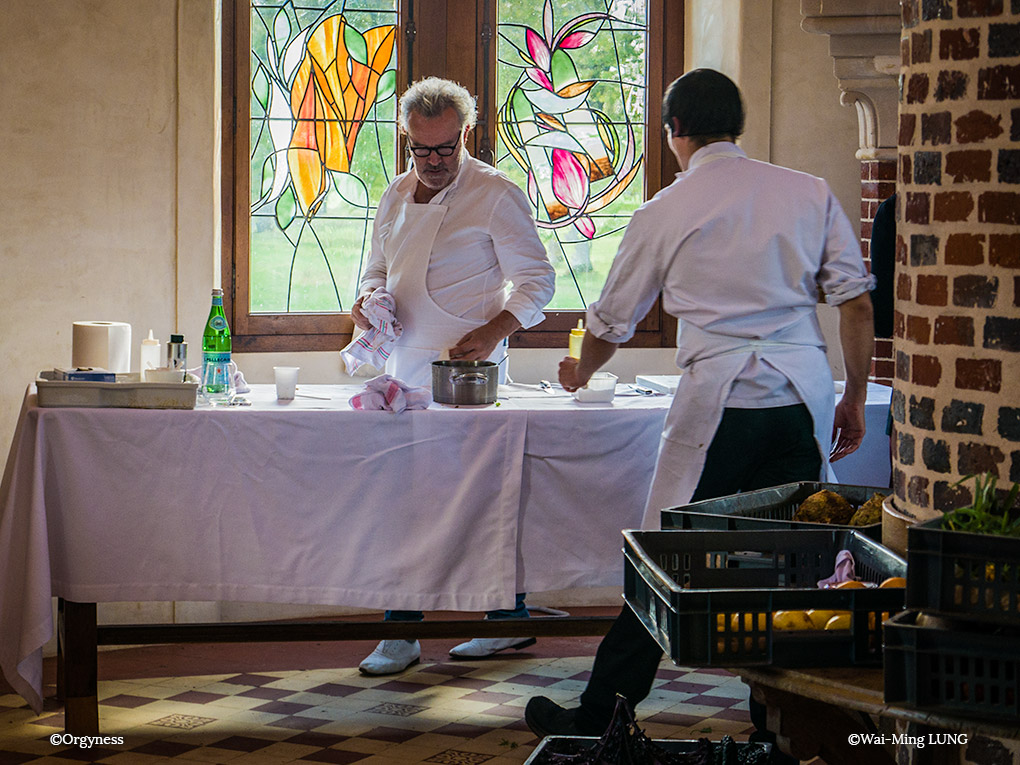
(373, 347)
(390, 394)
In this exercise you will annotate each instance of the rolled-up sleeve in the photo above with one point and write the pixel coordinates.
(843, 275)
(522, 257)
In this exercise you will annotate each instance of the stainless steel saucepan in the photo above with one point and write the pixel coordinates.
(465, 383)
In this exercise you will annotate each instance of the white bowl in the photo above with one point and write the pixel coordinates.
(163, 375)
(600, 389)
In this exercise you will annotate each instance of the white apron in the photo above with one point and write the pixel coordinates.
(710, 363)
(429, 331)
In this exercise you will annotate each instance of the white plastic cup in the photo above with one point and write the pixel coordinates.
(286, 382)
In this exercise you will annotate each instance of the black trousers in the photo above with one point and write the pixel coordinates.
(752, 449)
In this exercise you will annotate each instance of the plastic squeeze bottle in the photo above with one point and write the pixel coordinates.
(576, 338)
(150, 355)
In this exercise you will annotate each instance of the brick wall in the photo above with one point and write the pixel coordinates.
(878, 183)
(956, 396)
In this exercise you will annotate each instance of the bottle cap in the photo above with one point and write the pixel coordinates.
(150, 340)
(176, 338)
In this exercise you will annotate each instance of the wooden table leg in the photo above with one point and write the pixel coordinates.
(77, 666)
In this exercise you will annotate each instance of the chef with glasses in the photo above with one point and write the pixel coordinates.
(455, 244)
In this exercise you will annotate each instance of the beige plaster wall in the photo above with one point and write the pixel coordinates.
(109, 143)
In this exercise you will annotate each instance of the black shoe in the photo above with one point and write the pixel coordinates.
(547, 718)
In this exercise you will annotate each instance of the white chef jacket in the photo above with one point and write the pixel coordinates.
(738, 249)
(487, 241)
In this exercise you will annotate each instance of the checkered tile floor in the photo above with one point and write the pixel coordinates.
(458, 713)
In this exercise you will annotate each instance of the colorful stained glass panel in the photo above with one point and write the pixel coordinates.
(570, 83)
(323, 147)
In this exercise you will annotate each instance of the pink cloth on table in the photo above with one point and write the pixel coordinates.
(373, 347)
(386, 392)
(844, 570)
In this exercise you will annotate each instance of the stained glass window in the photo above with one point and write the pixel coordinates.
(570, 84)
(322, 147)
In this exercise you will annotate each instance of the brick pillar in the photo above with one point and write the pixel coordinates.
(956, 396)
(878, 183)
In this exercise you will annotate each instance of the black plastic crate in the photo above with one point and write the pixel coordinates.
(687, 587)
(768, 508)
(568, 744)
(957, 573)
(970, 669)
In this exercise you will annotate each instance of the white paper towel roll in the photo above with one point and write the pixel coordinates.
(103, 344)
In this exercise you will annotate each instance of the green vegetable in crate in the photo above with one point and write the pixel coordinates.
(824, 507)
(989, 513)
(870, 512)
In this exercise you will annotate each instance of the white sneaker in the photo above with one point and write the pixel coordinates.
(480, 647)
(391, 656)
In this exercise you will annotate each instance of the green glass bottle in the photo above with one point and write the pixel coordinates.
(217, 380)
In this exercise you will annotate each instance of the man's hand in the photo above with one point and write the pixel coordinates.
(478, 344)
(856, 338)
(570, 377)
(595, 352)
(847, 429)
(360, 320)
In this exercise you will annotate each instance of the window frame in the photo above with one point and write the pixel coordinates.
(418, 55)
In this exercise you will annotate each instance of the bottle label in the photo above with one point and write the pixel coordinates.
(218, 323)
(216, 358)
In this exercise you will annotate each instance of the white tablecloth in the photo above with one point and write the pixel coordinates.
(312, 502)
(309, 501)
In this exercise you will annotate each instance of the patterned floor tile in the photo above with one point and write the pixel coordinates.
(182, 722)
(457, 757)
(397, 710)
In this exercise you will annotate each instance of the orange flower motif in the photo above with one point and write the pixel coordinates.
(334, 89)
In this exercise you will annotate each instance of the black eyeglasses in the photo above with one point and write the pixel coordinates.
(445, 150)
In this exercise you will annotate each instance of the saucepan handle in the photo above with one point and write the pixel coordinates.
(469, 378)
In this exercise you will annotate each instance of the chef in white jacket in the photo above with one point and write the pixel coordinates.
(455, 243)
(739, 250)
(450, 236)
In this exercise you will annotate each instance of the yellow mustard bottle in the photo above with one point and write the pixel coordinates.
(576, 338)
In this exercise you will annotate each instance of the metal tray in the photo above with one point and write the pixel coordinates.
(128, 392)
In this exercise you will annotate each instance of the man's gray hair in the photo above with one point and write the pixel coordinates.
(433, 96)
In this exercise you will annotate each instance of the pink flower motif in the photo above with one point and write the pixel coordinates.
(538, 49)
(540, 77)
(569, 179)
(586, 226)
(576, 40)
(532, 188)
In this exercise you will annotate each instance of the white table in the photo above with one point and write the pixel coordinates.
(312, 502)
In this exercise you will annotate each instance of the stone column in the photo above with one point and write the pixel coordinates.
(956, 393)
